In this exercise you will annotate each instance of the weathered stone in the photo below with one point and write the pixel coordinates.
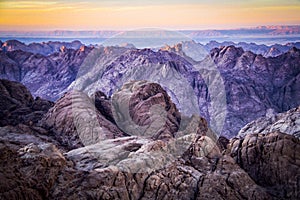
(272, 160)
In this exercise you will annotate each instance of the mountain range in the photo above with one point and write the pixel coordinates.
(47, 48)
(181, 121)
(241, 87)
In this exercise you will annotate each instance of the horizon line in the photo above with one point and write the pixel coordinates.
(154, 28)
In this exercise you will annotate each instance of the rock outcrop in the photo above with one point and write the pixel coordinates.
(35, 164)
(44, 76)
(288, 122)
(145, 109)
(18, 106)
(272, 161)
(229, 85)
(76, 122)
(30, 163)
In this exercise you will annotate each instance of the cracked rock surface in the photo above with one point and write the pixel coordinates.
(272, 160)
(55, 159)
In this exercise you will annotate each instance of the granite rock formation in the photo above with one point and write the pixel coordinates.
(288, 122)
(76, 122)
(272, 161)
(45, 76)
(143, 109)
(36, 163)
(18, 105)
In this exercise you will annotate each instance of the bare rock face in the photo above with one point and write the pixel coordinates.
(288, 122)
(272, 160)
(145, 109)
(81, 154)
(77, 122)
(15, 93)
(30, 172)
(18, 106)
(116, 168)
(44, 75)
(29, 164)
(103, 105)
(255, 84)
(203, 179)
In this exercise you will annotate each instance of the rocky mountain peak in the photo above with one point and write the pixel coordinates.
(227, 52)
(12, 45)
(82, 48)
(142, 108)
(63, 49)
(294, 51)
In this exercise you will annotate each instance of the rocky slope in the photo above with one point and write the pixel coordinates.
(271, 160)
(288, 122)
(45, 76)
(18, 106)
(255, 84)
(229, 84)
(107, 163)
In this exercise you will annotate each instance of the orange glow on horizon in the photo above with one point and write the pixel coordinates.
(36, 15)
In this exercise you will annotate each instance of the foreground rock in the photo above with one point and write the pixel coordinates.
(99, 161)
(272, 160)
(30, 162)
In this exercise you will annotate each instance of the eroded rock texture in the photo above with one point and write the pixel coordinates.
(18, 106)
(288, 122)
(76, 121)
(233, 82)
(30, 162)
(57, 159)
(145, 109)
(272, 160)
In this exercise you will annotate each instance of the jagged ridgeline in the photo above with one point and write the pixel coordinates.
(252, 83)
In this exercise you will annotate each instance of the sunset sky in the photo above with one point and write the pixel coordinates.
(130, 14)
